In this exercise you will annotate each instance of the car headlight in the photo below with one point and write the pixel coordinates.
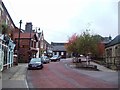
(39, 63)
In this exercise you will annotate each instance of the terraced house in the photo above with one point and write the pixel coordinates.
(7, 27)
(112, 52)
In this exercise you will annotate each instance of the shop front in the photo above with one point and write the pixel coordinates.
(6, 52)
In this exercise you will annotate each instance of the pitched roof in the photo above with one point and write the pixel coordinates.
(8, 14)
(55, 43)
(58, 48)
(115, 41)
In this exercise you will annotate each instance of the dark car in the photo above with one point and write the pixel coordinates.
(35, 63)
(55, 58)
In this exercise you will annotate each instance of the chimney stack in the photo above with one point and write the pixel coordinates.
(28, 27)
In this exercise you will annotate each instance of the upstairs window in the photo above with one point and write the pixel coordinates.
(7, 20)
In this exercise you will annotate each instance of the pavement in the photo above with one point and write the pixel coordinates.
(99, 67)
(15, 77)
(102, 68)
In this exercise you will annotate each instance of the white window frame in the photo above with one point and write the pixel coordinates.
(0, 13)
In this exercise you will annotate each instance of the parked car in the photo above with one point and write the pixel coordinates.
(82, 58)
(55, 58)
(35, 63)
(74, 59)
(45, 59)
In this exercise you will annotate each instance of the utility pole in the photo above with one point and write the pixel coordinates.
(18, 52)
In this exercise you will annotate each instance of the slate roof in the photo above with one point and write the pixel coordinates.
(58, 48)
(55, 43)
(8, 14)
(115, 41)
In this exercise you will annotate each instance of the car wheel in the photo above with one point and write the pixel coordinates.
(28, 68)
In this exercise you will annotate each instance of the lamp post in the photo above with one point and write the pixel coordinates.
(18, 52)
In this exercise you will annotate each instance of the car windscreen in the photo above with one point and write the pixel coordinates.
(44, 57)
(35, 60)
(55, 56)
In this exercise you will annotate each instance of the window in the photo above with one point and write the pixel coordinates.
(110, 51)
(7, 20)
(118, 50)
(41, 44)
(31, 44)
(57, 53)
(34, 44)
(62, 53)
(0, 45)
(25, 46)
(0, 14)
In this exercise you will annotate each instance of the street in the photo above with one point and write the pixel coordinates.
(60, 75)
(74, 43)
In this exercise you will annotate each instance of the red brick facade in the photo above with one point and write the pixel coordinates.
(27, 47)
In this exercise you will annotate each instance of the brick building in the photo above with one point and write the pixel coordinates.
(32, 43)
(7, 28)
(27, 45)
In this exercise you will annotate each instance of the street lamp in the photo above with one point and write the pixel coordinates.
(18, 52)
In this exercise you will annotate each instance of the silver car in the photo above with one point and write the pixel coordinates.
(45, 59)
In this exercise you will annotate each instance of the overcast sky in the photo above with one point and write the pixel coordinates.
(59, 19)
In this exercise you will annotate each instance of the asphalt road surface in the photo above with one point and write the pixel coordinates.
(60, 75)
